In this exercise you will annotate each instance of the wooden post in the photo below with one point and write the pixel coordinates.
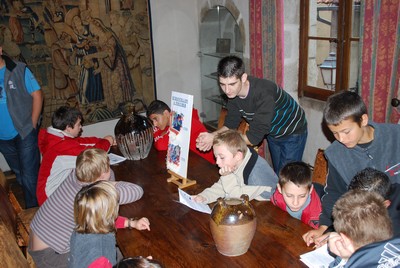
(179, 180)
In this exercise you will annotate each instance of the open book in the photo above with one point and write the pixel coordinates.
(318, 258)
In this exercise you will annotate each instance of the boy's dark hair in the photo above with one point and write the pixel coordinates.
(342, 106)
(362, 217)
(138, 262)
(297, 172)
(371, 180)
(231, 66)
(157, 107)
(66, 116)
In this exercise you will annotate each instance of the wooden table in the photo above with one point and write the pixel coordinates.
(181, 237)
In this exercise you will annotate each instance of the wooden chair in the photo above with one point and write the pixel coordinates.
(320, 168)
(243, 126)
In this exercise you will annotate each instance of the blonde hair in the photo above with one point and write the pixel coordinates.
(362, 217)
(96, 208)
(91, 163)
(233, 141)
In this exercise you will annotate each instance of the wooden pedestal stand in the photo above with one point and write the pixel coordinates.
(175, 178)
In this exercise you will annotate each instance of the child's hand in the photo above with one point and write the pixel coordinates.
(111, 140)
(223, 171)
(339, 246)
(313, 235)
(198, 198)
(141, 224)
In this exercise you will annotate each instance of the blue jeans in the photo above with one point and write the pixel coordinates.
(23, 157)
(286, 149)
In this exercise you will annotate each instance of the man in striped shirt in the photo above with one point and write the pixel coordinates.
(267, 108)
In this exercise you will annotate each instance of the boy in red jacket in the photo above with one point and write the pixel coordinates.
(295, 194)
(59, 145)
(160, 115)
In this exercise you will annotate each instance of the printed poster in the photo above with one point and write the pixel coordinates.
(179, 134)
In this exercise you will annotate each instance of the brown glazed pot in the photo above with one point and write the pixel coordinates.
(233, 224)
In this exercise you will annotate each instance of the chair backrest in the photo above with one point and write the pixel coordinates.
(243, 126)
(320, 168)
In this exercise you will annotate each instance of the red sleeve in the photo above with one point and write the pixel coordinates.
(161, 139)
(196, 129)
(120, 222)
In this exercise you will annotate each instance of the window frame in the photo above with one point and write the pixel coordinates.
(343, 40)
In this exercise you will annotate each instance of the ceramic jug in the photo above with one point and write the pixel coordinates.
(233, 224)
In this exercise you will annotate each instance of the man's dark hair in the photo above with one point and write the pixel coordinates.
(157, 107)
(371, 180)
(231, 66)
(342, 106)
(66, 116)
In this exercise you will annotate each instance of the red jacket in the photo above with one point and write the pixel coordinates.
(161, 138)
(59, 154)
(310, 215)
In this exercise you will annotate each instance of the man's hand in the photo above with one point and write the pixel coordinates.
(204, 141)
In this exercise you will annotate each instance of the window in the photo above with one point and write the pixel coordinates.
(329, 47)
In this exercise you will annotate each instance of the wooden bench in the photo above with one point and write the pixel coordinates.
(15, 225)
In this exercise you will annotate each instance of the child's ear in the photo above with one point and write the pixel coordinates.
(311, 188)
(364, 120)
(387, 203)
(239, 155)
(278, 186)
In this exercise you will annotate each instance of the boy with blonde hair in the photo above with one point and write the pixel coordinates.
(363, 232)
(295, 194)
(53, 224)
(242, 171)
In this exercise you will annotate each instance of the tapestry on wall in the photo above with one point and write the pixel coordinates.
(94, 55)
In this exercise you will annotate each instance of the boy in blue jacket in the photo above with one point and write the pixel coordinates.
(364, 231)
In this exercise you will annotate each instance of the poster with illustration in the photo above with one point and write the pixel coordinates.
(179, 134)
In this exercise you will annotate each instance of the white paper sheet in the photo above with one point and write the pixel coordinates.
(115, 159)
(318, 258)
(186, 199)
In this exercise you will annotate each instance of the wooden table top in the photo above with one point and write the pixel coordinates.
(181, 237)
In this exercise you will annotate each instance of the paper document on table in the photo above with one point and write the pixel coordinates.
(115, 159)
(186, 199)
(318, 258)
